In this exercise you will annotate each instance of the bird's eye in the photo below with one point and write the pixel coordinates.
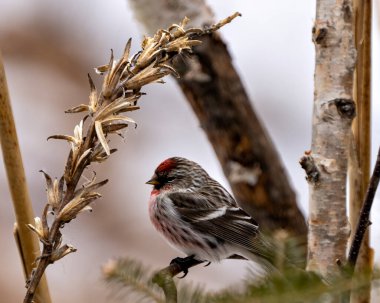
(169, 179)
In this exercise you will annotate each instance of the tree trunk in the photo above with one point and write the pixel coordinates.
(333, 112)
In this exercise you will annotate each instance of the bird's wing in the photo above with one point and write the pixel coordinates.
(228, 223)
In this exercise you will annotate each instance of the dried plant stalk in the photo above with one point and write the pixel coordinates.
(119, 94)
(27, 243)
(360, 157)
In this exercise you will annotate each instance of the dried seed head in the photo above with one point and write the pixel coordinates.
(39, 230)
(120, 92)
(61, 252)
(77, 139)
(75, 206)
(54, 191)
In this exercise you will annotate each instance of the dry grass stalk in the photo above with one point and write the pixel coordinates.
(360, 157)
(119, 94)
(27, 243)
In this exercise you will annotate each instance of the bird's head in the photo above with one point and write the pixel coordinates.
(178, 172)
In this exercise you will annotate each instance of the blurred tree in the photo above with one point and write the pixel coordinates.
(214, 90)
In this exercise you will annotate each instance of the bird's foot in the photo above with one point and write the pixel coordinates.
(208, 263)
(183, 264)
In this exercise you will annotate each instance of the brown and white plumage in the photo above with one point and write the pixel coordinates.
(199, 217)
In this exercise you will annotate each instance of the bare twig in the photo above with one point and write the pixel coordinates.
(27, 242)
(349, 270)
(119, 94)
(364, 222)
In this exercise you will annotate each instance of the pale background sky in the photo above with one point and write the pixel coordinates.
(272, 50)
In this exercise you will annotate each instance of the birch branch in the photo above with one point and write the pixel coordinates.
(333, 112)
(213, 88)
(27, 243)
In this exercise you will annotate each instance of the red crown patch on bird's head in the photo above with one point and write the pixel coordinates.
(166, 165)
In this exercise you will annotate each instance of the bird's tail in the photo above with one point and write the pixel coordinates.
(276, 255)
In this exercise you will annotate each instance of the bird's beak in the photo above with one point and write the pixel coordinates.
(153, 181)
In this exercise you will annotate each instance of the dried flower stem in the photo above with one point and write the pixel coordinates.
(120, 92)
(360, 157)
(28, 243)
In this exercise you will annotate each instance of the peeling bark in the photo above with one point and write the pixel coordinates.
(218, 98)
(333, 112)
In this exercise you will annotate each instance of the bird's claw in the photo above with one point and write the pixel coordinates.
(208, 263)
(181, 263)
(185, 272)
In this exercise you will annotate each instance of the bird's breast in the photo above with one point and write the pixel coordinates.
(153, 208)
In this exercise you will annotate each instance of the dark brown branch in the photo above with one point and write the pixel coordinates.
(245, 151)
(364, 214)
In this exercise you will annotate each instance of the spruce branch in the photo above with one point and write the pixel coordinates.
(133, 276)
(105, 115)
(136, 281)
(292, 285)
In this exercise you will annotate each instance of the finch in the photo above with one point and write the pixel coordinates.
(197, 216)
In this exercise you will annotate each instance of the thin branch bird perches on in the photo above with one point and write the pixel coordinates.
(164, 277)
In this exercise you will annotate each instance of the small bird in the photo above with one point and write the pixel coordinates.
(197, 216)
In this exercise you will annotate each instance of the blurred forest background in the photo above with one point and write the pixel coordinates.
(50, 46)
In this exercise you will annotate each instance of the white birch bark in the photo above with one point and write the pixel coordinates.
(333, 112)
